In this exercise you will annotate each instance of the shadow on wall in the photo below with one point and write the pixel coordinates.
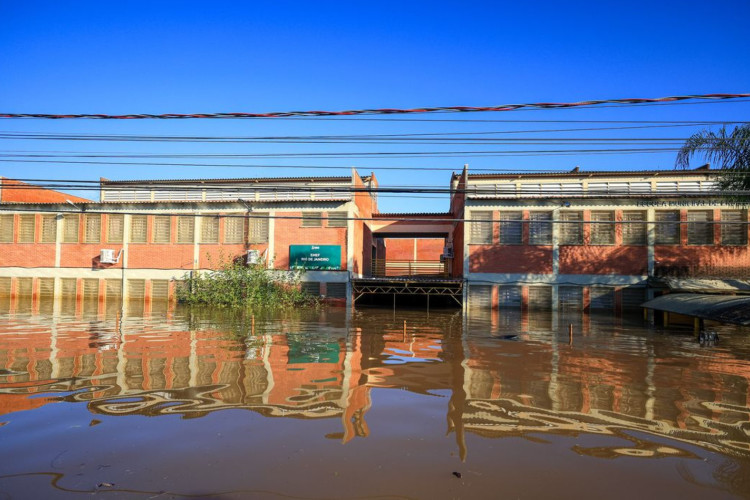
(510, 259)
(623, 260)
(708, 261)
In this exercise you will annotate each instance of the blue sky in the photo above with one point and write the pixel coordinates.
(183, 57)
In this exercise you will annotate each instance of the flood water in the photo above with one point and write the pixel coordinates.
(372, 403)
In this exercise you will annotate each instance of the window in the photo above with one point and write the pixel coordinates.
(700, 229)
(186, 228)
(603, 228)
(138, 227)
(115, 228)
(312, 219)
(258, 228)
(733, 231)
(49, 229)
(510, 228)
(6, 229)
(26, 228)
(210, 230)
(668, 227)
(234, 230)
(634, 228)
(159, 289)
(337, 219)
(571, 230)
(540, 228)
(481, 227)
(162, 229)
(92, 228)
(70, 228)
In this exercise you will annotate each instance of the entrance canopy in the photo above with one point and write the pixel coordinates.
(725, 309)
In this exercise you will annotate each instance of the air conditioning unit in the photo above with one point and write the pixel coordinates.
(253, 257)
(107, 256)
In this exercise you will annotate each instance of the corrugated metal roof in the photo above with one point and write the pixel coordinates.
(592, 173)
(412, 214)
(726, 309)
(231, 180)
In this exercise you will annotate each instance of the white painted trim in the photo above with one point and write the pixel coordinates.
(560, 279)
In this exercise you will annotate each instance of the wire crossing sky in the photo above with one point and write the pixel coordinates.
(153, 58)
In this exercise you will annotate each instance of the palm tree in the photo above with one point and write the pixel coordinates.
(729, 150)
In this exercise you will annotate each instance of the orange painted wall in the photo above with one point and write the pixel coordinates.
(399, 248)
(366, 206)
(403, 248)
(510, 259)
(579, 259)
(290, 232)
(702, 258)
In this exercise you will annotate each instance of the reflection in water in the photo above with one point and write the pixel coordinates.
(634, 392)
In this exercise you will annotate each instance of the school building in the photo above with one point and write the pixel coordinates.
(580, 239)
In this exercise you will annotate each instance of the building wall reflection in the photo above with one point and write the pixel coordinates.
(327, 365)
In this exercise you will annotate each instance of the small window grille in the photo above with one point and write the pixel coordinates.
(6, 229)
(138, 229)
(481, 227)
(210, 230)
(571, 228)
(185, 229)
(700, 228)
(258, 228)
(510, 228)
(602, 297)
(70, 228)
(337, 219)
(136, 289)
(667, 228)
(312, 219)
(540, 297)
(509, 296)
(540, 228)
(634, 229)
(115, 228)
(162, 229)
(92, 228)
(49, 229)
(26, 228)
(234, 230)
(336, 290)
(480, 297)
(733, 231)
(603, 228)
(90, 289)
(113, 289)
(159, 289)
(46, 287)
(311, 287)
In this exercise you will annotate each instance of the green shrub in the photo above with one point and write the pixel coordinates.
(235, 284)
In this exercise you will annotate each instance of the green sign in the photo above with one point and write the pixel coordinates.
(318, 257)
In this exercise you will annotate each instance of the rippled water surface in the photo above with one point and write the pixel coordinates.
(368, 404)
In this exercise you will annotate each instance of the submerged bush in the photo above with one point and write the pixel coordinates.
(237, 284)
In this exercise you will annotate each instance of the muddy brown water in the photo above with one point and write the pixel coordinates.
(372, 403)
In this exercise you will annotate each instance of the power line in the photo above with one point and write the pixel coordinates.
(270, 166)
(385, 111)
(352, 154)
(241, 139)
(427, 219)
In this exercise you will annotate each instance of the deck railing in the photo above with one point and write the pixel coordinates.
(394, 268)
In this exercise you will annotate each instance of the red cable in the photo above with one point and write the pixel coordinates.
(382, 111)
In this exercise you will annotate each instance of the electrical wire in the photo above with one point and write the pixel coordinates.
(231, 139)
(425, 219)
(386, 111)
